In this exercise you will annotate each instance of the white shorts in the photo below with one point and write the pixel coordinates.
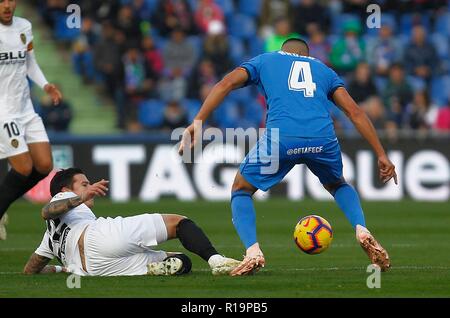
(122, 246)
(17, 133)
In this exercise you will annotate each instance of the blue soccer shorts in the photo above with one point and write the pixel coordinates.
(271, 159)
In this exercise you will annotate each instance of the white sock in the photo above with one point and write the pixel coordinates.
(214, 259)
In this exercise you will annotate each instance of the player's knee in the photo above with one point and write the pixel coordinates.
(44, 167)
(332, 187)
(240, 184)
(24, 169)
(172, 222)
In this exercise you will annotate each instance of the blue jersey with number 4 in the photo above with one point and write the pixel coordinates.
(298, 90)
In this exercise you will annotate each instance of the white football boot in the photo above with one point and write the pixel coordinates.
(221, 265)
(170, 266)
(377, 254)
(3, 222)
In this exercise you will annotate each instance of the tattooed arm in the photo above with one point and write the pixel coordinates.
(55, 209)
(37, 264)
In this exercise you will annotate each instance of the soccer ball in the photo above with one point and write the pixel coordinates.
(313, 234)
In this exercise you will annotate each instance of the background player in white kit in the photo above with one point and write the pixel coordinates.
(86, 245)
(23, 139)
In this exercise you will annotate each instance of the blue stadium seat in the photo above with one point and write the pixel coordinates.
(250, 7)
(254, 113)
(386, 19)
(243, 95)
(197, 43)
(441, 43)
(192, 106)
(151, 113)
(338, 21)
(227, 7)
(442, 24)
(227, 115)
(416, 83)
(193, 4)
(237, 49)
(161, 43)
(408, 20)
(440, 90)
(256, 46)
(152, 5)
(61, 31)
(242, 26)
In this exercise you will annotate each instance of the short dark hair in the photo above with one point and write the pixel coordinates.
(63, 178)
(299, 40)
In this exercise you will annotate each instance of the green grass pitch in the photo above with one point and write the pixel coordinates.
(417, 236)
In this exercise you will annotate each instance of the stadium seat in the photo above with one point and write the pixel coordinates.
(151, 113)
(227, 7)
(440, 90)
(243, 95)
(338, 21)
(441, 43)
(386, 19)
(242, 26)
(256, 46)
(416, 83)
(152, 4)
(197, 43)
(442, 24)
(62, 32)
(254, 113)
(408, 21)
(193, 4)
(192, 106)
(237, 49)
(250, 7)
(227, 115)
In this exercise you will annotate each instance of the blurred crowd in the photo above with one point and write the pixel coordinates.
(159, 59)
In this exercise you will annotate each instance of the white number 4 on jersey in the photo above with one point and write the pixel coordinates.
(300, 78)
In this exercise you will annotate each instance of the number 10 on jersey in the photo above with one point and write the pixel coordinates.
(300, 78)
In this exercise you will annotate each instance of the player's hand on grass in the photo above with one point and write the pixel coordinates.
(387, 169)
(97, 189)
(54, 93)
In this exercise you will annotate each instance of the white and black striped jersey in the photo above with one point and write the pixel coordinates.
(62, 234)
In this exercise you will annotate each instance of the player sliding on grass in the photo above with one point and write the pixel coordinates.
(88, 246)
(23, 139)
(298, 90)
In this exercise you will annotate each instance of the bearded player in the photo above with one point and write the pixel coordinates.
(299, 91)
(23, 139)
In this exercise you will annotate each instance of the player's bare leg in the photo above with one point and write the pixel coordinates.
(41, 155)
(254, 257)
(377, 254)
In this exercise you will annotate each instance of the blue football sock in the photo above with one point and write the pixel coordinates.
(244, 217)
(348, 201)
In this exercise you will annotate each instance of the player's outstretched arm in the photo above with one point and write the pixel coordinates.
(234, 80)
(365, 127)
(35, 73)
(55, 209)
(37, 264)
